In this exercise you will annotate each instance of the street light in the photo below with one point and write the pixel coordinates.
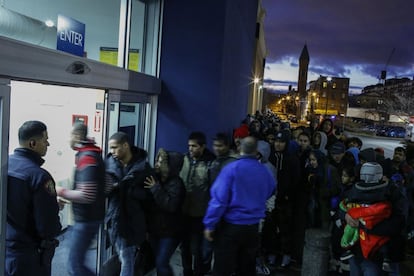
(313, 103)
(328, 79)
(255, 96)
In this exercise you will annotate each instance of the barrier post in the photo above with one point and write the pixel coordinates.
(316, 254)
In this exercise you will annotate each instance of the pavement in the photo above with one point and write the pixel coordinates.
(59, 264)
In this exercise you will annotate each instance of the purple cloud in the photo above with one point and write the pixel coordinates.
(342, 34)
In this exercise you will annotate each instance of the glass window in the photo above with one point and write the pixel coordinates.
(101, 19)
(35, 22)
(137, 34)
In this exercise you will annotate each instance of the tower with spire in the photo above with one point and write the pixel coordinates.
(302, 82)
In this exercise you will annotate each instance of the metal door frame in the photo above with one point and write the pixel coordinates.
(4, 153)
(25, 62)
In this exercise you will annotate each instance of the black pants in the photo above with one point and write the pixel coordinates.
(192, 246)
(285, 223)
(235, 249)
(25, 261)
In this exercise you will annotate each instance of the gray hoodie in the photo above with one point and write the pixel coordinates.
(263, 148)
(324, 141)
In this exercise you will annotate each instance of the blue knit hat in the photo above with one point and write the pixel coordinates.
(337, 148)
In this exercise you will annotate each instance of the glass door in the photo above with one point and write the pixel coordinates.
(127, 112)
(130, 113)
(58, 107)
(4, 128)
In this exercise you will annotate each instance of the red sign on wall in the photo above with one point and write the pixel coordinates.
(97, 121)
(79, 119)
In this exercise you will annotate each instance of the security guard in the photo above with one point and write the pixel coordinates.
(32, 207)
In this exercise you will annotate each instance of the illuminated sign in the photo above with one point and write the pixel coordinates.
(70, 35)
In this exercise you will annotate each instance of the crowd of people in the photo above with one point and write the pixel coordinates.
(241, 209)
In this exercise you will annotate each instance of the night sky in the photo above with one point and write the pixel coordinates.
(345, 38)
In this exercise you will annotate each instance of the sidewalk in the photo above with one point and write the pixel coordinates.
(59, 264)
(61, 256)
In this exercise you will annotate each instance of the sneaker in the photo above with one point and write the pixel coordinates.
(271, 259)
(344, 266)
(386, 266)
(334, 265)
(346, 255)
(262, 269)
(285, 261)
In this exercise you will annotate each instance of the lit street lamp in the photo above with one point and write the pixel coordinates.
(328, 89)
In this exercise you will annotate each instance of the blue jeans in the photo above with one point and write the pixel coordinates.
(163, 249)
(207, 255)
(360, 266)
(126, 256)
(82, 233)
(395, 267)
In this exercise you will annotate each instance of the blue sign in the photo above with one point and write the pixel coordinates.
(70, 35)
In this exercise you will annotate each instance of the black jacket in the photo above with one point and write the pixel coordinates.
(128, 200)
(165, 218)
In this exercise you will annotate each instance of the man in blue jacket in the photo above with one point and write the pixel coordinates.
(32, 207)
(238, 202)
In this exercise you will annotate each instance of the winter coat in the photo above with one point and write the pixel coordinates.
(263, 148)
(392, 227)
(329, 134)
(165, 217)
(129, 199)
(89, 174)
(325, 187)
(218, 164)
(288, 174)
(195, 175)
(32, 209)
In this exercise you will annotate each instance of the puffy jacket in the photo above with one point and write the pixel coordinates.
(195, 175)
(128, 200)
(165, 218)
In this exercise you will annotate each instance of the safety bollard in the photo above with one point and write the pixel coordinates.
(315, 257)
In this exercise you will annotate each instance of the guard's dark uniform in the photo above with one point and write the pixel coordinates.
(32, 216)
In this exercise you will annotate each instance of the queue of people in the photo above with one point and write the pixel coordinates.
(239, 210)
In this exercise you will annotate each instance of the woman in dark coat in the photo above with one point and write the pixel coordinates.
(164, 219)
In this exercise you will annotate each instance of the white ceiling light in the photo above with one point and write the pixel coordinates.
(49, 23)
